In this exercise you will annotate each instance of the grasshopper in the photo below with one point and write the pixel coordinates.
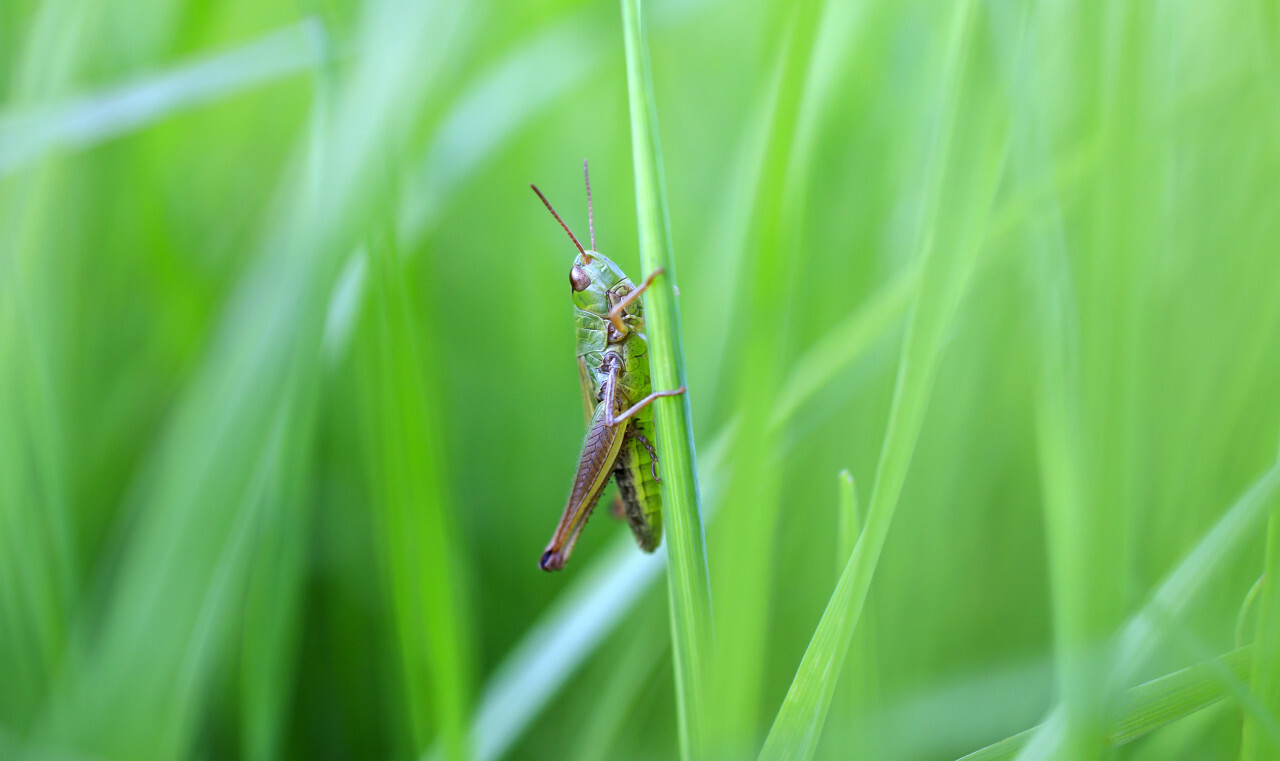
(613, 366)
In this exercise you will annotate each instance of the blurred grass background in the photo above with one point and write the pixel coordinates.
(288, 406)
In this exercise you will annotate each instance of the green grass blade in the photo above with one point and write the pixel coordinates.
(1145, 630)
(849, 522)
(274, 593)
(490, 112)
(858, 687)
(39, 568)
(803, 712)
(643, 652)
(1149, 706)
(795, 732)
(773, 236)
(28, 135)
(172, 606)
(553, 648)
(847, 339)
(687, 570)
(422, 555)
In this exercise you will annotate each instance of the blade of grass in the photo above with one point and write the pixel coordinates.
(849, 522)
(796, 735)
(1143, 632)
(635, 666)
(1067, 509)
(490, 112)
(746, 545)
(184, 549)
(687, 575)
(1074, 519)
(858, 687)
(423, 561)
(40, 576)
(83, 121)
(802, 715)
(276, 581)
(1148, 706)
(1187, 644)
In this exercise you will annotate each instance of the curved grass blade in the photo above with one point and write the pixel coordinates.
(637, 665)
(687, 576)
(800, 719)
(747, 542)
(1148, 706)
(554, 647)
(28, 135)
(489, 113)
(1143, 632)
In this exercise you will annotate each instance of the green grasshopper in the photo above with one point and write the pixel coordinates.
(613, 365)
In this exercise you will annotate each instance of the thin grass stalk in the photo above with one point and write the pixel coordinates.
(424, 567)
(687, 576)
(795, 732)
(273, 600)
(803, 712)
(858, 688)
(273, 607)
(1058, 414)
(748, 543)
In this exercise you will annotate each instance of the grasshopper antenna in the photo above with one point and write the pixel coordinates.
(572, 237)
(591, 223)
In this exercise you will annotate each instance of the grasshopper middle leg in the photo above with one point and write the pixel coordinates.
(610, 418)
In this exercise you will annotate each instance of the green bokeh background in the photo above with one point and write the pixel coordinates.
(288, 406)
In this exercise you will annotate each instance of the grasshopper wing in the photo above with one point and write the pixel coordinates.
(600, 451)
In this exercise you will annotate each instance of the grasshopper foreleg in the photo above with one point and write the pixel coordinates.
(615, 314)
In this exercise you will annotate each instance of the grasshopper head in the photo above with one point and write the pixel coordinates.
(591, 276)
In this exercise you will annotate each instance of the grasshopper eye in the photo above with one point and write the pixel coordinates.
(578, 279)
